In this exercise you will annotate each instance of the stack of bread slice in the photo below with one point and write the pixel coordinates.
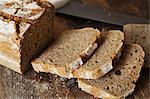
(104, 66)
(25, 30)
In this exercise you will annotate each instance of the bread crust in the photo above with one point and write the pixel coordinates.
(43, 5)
(96, 92)
(99, 93)
(11, 44)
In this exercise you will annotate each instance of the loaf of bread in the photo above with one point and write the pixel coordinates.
(68, 52)
(101, 61)
(139, 34)
(26, 29)
(120, 82)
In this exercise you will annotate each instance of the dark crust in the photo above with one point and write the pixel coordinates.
(42, 4)
(15, 18)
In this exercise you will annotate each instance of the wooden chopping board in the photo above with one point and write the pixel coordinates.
(47, 86)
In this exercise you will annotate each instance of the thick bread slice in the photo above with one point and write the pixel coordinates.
(139, 34)
(101, 62)
(120, 82)
(21, 42)
(68, 52)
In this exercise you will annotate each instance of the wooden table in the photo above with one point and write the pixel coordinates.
(47, 86)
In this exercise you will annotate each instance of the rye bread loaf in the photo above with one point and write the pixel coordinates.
(21, 40)
(68, 52)
(139, 34)
(100, 62)
(120, 82)
(25, 10)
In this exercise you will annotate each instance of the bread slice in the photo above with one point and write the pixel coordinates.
(101, 62)
(68, 52)
(139, 34)
(120, 82)
(21, 41)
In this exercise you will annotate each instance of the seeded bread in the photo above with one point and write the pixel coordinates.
(139, 34)
(22, 41)
(68, 52)
(101, 62)
(120, 82)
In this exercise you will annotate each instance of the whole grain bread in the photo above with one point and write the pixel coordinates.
(22, 41)
(120, 82)
(139, 34)
(68, 52)
(100, 62)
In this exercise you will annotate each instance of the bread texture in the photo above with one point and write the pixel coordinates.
(22, 39)
(139, 34)
(68, 52)
(120, 82)
(101, 61)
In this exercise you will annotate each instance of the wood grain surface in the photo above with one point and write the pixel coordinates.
(46, 86)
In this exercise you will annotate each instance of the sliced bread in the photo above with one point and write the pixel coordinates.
(68, 52)
(101, 62)
(120, 82)
(139, 34)
(21, 42)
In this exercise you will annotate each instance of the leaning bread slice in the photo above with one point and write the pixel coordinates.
(69, 51)
(101, 62)
(120, 82)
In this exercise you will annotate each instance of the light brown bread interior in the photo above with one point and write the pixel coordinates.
(120, 82)
(68, 52)
(101, 61)
(139, 34)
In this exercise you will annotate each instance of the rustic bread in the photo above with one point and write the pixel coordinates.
(22, 41)
(24, 10)
(101, 62)
(139, 34)
(120, 82)
(68, 52)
